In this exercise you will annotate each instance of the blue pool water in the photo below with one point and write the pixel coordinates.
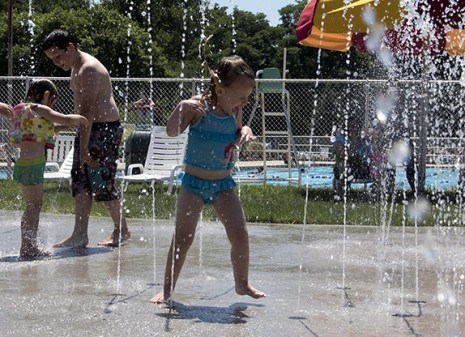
(321, 176)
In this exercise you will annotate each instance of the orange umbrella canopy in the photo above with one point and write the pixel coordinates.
(341, 24)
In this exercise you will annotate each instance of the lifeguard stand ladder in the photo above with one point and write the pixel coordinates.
(278, 141)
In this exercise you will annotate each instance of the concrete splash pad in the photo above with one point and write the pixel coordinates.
(352, 287)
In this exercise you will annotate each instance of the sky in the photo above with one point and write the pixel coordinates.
(268, 7)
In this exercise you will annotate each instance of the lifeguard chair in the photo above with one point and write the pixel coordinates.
(277, 138)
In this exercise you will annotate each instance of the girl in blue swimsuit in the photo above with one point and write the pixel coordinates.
(215, 130)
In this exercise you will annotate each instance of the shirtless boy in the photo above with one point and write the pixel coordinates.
(93, 99)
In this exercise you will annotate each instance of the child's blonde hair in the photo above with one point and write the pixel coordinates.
(227, 71)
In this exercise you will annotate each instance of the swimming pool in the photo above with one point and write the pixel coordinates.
(322, 176)
(3, 174)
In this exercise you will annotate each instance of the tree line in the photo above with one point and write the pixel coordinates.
(141, 38)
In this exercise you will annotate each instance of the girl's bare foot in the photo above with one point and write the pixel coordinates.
(250, 291)
(73, 242)
(159, 298)
(112, 240)
(33, 253)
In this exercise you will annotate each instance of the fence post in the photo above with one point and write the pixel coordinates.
(423, 137)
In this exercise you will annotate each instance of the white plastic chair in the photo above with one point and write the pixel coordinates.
(63, 144)
(64, 171)
(164, 159)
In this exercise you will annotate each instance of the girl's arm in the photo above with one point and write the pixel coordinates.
(59, 118)
(246, 133)
(59, 128)
(186, 113)
(6, 110)
(67, 120)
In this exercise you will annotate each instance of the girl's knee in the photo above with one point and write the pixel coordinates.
(239, 238)
(184, 239)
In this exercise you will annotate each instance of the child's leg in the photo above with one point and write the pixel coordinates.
(114, 208)
(188, 208)
(231, 214)
(82, 207)
(30, 221)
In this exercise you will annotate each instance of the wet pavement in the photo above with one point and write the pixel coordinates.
(370, 282)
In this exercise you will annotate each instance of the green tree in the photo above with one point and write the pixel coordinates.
(100, 32)
(162, 38)
(164, 20)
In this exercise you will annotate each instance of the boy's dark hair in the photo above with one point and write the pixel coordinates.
(37, 90)
(59, 38)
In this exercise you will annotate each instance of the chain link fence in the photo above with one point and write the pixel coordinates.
(317, 109)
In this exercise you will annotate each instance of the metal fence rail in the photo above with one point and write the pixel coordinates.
(316, 109)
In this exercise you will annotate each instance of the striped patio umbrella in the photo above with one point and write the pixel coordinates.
(342, 24)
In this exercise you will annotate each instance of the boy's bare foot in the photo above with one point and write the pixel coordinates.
(73, 242)
(112, 240)
(250, 291)
(159, 298)
(33, 253)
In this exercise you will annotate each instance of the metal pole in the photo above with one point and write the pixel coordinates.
(10, 37)
(423, 117)
(10, 151)
(423, 138)
(10, 51)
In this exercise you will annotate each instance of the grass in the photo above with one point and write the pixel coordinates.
(262, 204)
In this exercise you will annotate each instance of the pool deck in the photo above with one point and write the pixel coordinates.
(319, 283)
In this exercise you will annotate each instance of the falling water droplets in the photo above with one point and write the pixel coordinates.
(429, 249)
(30, 29)
(386, 57)
(418, 210)
(462, 75)
(374, 39)
(399, 153)
(381, 116)
(333, 134)
(385, 104)
(369, 16)
(445, 294)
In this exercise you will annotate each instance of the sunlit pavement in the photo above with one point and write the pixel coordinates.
(318, 284)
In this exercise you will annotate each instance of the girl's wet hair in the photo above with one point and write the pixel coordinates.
(60, 39)
(227, 71)
(37, 90)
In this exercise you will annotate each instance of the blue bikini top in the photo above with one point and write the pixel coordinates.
(211, 140)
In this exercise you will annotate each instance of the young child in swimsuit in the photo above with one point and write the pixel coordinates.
(33, 131)
(215, 130)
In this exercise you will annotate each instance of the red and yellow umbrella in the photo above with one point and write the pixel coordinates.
(339, 25)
